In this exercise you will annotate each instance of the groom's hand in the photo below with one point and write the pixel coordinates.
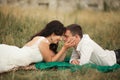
(75, 62)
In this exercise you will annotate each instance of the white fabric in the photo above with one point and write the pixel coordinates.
(89, 51)
(12, 56)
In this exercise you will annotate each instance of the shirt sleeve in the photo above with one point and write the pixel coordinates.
(86, 52)
(74, 55)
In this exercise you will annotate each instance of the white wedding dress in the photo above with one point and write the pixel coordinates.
(12, 56)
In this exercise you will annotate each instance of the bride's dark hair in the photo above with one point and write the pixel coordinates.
(55, 27)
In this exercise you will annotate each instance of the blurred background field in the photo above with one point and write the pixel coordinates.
(18, 24)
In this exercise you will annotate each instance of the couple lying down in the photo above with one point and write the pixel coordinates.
(43, 47)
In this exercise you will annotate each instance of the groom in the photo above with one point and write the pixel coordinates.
(88, 51)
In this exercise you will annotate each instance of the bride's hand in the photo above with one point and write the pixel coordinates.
(70, 42)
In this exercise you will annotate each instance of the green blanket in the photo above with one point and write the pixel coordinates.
(67, 65)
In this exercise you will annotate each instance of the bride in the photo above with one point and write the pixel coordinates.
(42, 46)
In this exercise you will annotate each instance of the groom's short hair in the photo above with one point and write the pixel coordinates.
(75, 29)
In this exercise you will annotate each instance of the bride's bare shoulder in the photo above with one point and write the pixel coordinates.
(34, 40)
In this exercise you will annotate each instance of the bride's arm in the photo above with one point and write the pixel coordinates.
(49, 56)
(62, 57)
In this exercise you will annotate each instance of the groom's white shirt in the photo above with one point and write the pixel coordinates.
(89, 51)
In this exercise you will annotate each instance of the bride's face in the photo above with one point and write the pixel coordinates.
(56, 38)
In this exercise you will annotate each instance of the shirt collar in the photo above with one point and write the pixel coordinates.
(85, 36)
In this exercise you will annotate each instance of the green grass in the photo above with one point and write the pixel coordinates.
(89, 74)
(17, 25)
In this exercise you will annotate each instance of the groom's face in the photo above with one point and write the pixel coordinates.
(67, 35)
